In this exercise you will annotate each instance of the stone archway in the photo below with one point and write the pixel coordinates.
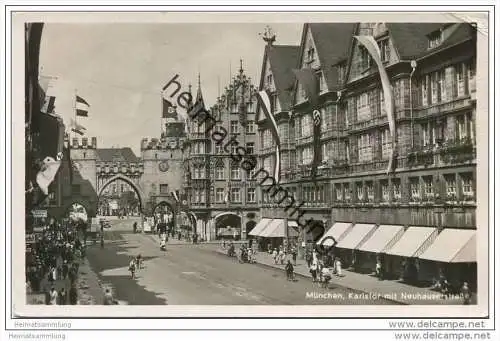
(129, 181)
(227, 219)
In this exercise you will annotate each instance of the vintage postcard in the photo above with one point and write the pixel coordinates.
(250, 165)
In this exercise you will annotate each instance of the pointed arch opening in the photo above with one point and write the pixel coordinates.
(119, 199)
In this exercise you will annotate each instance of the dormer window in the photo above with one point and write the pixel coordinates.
(385, 51)
(341, 70)
(269, 80)
(310, 55)
(365, 58)
(435, 39)
(320, 85)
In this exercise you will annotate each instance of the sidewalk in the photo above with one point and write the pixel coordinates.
(391, 290)
(90, 291)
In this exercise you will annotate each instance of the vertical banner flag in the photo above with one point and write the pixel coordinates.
(175, 194)
(372, 47)
(265, 105)
(51, 150)
(309, 81)
(82, 107)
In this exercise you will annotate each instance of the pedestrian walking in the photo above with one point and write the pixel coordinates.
(281, 256)
(108, 298)
(314, 271)
(294, 255)
(338, 266)
(131, 268)
(309, 259)
(466, 293)
(378, 269)
(275, 256)
(63, 297)
(289, 271)
(139, 261)
(53, 296)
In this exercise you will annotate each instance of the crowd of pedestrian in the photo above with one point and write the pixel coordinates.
(53, 263)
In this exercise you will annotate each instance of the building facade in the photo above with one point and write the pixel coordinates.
(221, 194)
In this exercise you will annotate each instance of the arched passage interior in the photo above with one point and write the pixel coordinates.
(130, 182)
(227, 225)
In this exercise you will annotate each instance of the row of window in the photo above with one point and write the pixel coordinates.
(425, 188)
(223, 195)
(420, 189)
(200, 148)
(447, 84)
(377, 143)
(451, 187)
(199, 172)
(234, 127)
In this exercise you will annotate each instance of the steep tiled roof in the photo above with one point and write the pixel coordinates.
(332, 41)
(411, 39)
(283, 58)
(116, 154)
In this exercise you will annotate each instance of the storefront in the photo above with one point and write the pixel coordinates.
(256, 233)
(402, 256)
(273, 233)
(375, 247)
(346, 248)
(453, 253)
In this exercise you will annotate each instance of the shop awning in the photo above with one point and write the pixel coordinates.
(356, 235)
(381, 238)
(293, 223)
(276, 229)
(261, 225)
(452, 246)
(336, 232)
(413, 240)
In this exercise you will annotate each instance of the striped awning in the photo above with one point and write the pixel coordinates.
(381, 238)
(261, 225)
(276, 229)
(452, 246)
(356, 236)
(336, 232)
(413, 242)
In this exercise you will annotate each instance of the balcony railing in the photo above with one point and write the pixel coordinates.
(198, 136)
(451, 152)
(267, 150)
(376, 121)
(457, 103)
(304, 140)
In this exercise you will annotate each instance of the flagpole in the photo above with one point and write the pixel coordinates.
(74, 112)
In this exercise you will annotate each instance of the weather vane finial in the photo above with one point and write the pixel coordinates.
(268, 36)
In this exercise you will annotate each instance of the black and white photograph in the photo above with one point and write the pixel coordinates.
(322, 165)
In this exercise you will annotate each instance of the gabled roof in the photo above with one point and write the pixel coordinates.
(116, 154)
(332, 42)
(411, 39)
(283, 59)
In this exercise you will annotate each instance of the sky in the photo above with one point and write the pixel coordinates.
(119, 69)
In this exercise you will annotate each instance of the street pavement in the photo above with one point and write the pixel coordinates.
(196, 275)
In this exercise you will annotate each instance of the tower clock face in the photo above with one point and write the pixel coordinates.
(163, 166)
